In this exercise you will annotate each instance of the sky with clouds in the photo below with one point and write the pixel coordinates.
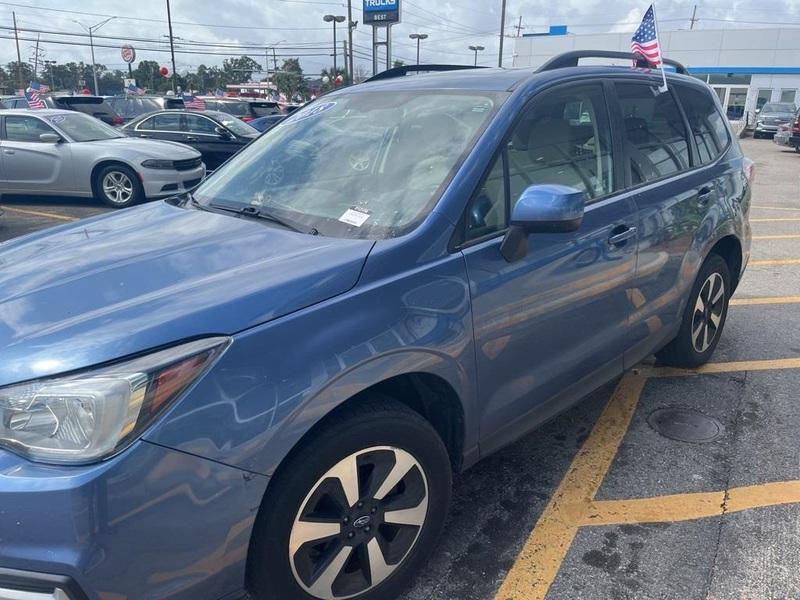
(208, 30)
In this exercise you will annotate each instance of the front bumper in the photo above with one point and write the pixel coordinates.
(162, 183)
(148, 523)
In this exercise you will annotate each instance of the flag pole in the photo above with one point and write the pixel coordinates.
(663, 88)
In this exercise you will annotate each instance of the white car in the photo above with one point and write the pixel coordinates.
(67, 153)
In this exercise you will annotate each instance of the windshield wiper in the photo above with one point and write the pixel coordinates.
(255, 212)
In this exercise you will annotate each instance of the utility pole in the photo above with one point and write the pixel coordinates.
(91, 31)
(346, 62)
(19, 56)
(694, 17)
(171, 47)
(350, 27)
(274, 59)
(502, 32)
(519, 26)
(36, 57)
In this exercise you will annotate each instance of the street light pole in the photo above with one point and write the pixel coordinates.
(350, 27)
(171, 47)
(419, 37)
(91, 29)
(502, 33)
(334, 19)
(476, 49)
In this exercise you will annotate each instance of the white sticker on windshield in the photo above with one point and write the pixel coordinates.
(311, 111)
(353, 216)
(57, 119)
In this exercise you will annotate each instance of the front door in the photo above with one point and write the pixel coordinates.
(554, 324)
(200, 133)
(29, 164)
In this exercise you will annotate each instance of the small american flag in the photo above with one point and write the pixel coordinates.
(39, 87)
(35, 101)
(133, 90)
(193, 102)
(645, 41)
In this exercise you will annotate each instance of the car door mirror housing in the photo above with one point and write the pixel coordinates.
(49, 138)
(222, 132)
(547, 208)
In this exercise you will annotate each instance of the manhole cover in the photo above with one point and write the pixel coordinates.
(685, 425)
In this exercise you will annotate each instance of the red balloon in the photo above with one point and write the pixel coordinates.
(164, 71)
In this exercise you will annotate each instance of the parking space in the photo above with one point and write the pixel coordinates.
(599, 505)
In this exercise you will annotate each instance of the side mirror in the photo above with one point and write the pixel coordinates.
(758, 110)
(222, 133)
(49, 138)
(542, 209)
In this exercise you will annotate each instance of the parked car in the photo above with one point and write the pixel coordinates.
(772, 116)
(129, 107)
(783, 135)
(243, 108)
(263, 124)
(267, 383)
(216, 135)
(3, 105)
(67, 153)
(95, 106)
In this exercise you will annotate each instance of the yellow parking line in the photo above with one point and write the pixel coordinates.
(775, 219)
(685, 507)
(776, 207)
(540, 559)
(765, 300)
(37, 213)
(788, 236)
(727, 367)
(775, 262)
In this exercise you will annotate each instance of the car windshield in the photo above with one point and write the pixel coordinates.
(83, 128)
(778, 108)
(358, 165)
(235, 125)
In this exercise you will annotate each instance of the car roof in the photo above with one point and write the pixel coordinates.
(502, 79)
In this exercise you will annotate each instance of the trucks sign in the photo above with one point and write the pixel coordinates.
(381, 12)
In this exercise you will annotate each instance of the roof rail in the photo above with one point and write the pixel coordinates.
(406, 69)
(570, 59)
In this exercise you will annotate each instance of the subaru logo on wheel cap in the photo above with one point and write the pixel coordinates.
(362, 521)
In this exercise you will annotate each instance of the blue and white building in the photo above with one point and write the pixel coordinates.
(746, 67)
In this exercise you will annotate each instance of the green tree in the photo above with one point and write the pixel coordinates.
(26, 70)
(237, 70)
(398, 63)
(289, 79)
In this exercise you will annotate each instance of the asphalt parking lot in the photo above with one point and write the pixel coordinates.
(597, 504)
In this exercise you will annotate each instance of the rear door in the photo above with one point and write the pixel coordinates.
(554, 324)
(30, 165)
(672, 198)
(161, 126)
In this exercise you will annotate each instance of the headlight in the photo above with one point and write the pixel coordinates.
(87, 416)
(158, 164)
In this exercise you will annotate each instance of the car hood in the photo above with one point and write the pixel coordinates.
(123, 283)
(146, 148)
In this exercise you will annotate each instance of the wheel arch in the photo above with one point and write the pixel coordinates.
(730, 249)
(102, 164)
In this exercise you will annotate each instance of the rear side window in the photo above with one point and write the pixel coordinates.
(655, 133)
(708, 126)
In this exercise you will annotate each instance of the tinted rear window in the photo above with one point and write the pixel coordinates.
(238, 109)
(709, 127)
(655, 133)
(265, 109)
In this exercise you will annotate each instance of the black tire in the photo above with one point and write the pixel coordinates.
(687, 350)
(275, 573)
(134, 192)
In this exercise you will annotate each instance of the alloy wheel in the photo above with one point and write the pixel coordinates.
(708, 310)
(358, 523)
(117, 187)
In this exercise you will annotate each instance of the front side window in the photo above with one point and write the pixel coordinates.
(707, 124)
(655, 134)
(358, 164)
(198, 124)
(564, 138)
(25, 129)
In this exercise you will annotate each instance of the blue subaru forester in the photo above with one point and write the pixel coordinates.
(264, 387)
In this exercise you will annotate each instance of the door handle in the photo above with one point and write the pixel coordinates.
(8, 151)
(190, 138)
(620, 235)
(704, 195)
(142, 135)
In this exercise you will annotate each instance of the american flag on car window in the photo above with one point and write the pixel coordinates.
(193, 102)
(39, 87)
(35, 101)
(645, 41)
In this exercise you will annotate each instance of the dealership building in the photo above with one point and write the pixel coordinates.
(746, 67)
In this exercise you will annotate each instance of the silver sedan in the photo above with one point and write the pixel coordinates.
(67, 153)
